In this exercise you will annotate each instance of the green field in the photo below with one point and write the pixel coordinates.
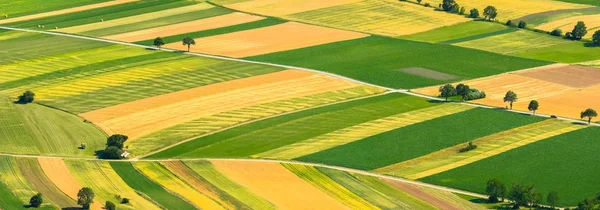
(560, 164)
(378, 60)
(275, 132)
(15, 8)
(419, 139)
(461, 30)
(15, 190)
(106, 13)
(141, 183)
(217, 31)
(572, 52)
(36, 129)
(33, 173)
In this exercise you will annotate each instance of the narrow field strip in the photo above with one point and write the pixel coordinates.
(567, 24)
(66, 11)
(203, 186)
(169, 181)
(135, 19)
(56, 170)
(449, 158)
(33, 173)
(272, 180)
(19, 8)
(458, 31)
(383, 17)
(11, 176)
(295, 84)
(360, 131)
(107, 184)
(223, 120)
(318, 179)
(284, 7)
(49, 64)
(452, 199)
(417, 192)
(281, 37)
(392, 193)
(209, 173)
(186, 27)
(136, 180)
(514, 42)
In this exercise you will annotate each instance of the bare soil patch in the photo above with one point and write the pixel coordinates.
(572, 76)
(428, 73)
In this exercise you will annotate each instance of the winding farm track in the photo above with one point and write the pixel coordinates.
(389, 90)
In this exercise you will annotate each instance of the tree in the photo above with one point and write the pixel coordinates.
(462, 90)
(533, 106)
(579, 31)
(490, 13)
(447, 5)
(522, 24)
(553, 199)
(36, 201)
(117, 140)
(474, 13)
(188, 41)
(509, 23)
(596, 38)
(447, 91)
(510, 97)
(159, 42)
(110, 206)
(462, 11)
(85, 197)
(556, 32)
(535, 198)
(27, 97)
(419, 1)
(111, 152)
(589, 113)
(496, 190)
(520, 195)
(455, 8)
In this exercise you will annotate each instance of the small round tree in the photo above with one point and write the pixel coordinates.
(579, 31)
(447, 91)
(533, 106)
(36, 201)
(510, 97)
(596, 38)
(589, 114)
(522, 24)
(27, 97)
(85, 197)
(110, 206)
(159, 42)
(188, 41)
(490, 13)
(474, 13)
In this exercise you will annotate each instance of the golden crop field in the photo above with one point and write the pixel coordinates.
(281, 37)
(361, 131)
(383, 17)
(284, 7)
(514, 42)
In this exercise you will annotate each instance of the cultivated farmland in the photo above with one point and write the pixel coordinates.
(591, 21)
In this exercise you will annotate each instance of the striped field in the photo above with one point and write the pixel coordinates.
(515, 42)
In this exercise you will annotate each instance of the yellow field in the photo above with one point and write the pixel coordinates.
(14, 71)
(56, 170)
(135, 19)
(361, 131)
(169, 181)
(281, 37)
(285, 7)
(512, 9)
(567, 24)
(450, 158)
(186, 27)
(275, 183)
(106, 183)
(383, 17)
(142, 117)
(513, 42)
(66, 11)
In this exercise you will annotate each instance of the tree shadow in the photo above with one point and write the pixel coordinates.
(72, 208)
(590, 44)
(579, 123)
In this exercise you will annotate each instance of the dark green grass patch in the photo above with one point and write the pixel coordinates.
(590, 2)
(106, 13)
(272, 133)
(420, 139)
(567, 53)
(16, 8)
(212, 32)
(565, 164)
(8, 200)
(377, 60)
(169, 20)
(141, 183)
(461, 30)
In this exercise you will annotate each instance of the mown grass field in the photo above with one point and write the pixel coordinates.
(36, 129)
(18, 8)
(558, 164)
(141, 183)
(461, 30)
(572, 52)
(419, 139)
(275, 132)
(378, 60)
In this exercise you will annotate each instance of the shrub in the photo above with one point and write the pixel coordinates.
(27, 97)
(427, 5)
(455, 9)
(568, 35)
(462, 11)
(110, 206)
(125, 200)
(509, 23)
(475, 94)
(36, 201)
(474, 13)
(419, 1)
(470, 146)
(596, 38)
(522, 24)
(111, 152)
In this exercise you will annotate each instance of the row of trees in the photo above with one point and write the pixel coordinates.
(467, 93)
(489, 12)
(519, 194)
(187, 41)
